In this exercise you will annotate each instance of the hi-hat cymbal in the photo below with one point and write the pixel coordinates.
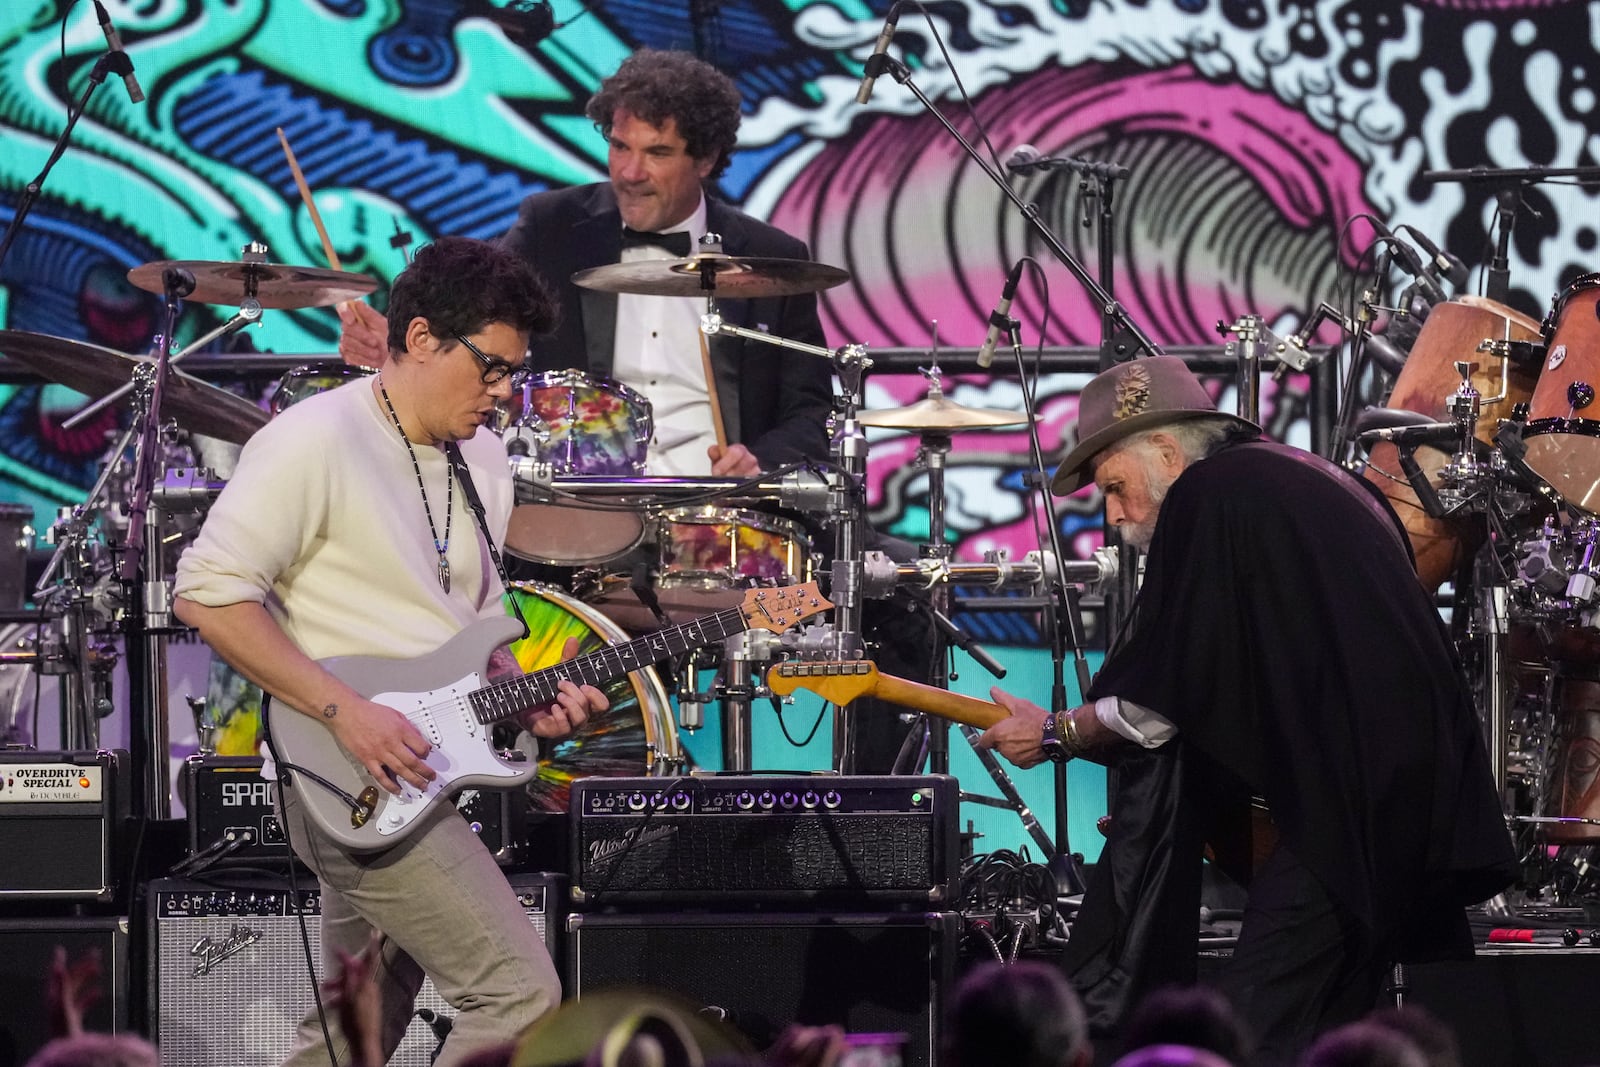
(93, 370)
(941, 414)
(272, 285)
(737, 277)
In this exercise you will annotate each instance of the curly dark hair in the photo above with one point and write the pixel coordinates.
(460, 285)
(656, 86)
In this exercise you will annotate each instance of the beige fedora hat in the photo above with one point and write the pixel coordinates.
(1142, 394)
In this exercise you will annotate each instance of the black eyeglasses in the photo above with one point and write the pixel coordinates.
(495, 371)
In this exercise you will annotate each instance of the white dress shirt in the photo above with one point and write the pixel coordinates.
(658, 353)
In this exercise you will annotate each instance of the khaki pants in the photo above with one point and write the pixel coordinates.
(447, 911)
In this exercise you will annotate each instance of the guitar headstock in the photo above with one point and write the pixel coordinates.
(779, 608)
(836, 681)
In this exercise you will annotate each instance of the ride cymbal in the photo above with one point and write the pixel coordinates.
(941, 414)
(96, 371)
(272, 285)
(736, 277)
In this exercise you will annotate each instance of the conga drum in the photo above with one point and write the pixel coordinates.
(1452, 334)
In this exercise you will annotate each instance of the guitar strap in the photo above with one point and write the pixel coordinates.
(458, 463)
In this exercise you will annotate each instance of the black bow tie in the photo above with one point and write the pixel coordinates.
(676, 243)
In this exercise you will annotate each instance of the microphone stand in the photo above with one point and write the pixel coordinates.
(141, 568)
(108, 63)
(1123, 338)
(1062, 621)
(1497, 282)
(1129, 337)
(1358, 351)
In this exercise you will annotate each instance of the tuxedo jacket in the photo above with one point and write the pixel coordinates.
(774, 401)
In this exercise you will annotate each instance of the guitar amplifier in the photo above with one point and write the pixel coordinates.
(756, 839)
(27, 951)
(227, 968)
(61, 814)
(231, 813)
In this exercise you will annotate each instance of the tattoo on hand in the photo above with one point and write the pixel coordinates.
(329, 710)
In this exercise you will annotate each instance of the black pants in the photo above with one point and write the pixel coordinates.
(1300, 967)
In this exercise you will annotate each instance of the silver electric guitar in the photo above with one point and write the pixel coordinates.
(444, 696)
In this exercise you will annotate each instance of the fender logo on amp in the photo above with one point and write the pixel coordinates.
(210, 951)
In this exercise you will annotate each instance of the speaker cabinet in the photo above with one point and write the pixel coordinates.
(228, 969)
(27, 947)
(869, 973)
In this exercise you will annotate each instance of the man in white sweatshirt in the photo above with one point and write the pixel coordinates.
(344, 531)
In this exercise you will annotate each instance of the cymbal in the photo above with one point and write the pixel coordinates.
(197, 406)
(275, 285)
(738, 277)
(941, 414)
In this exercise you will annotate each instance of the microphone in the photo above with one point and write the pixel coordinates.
(1001, 317)
(177, 281)
(1426, 433)
(1022, 157)
(869, 76)
(1407, 259)
(114, 42)
(1025, 157)
(1455, 271)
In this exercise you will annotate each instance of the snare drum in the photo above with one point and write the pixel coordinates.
(1452, 333)
(706, 558)
(311, 379)
(580, 425)
(1563, 432)
(711, 549)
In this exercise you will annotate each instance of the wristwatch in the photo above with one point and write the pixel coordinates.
(1050, 741)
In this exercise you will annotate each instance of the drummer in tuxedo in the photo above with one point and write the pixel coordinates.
(670, 123)
(346, 532)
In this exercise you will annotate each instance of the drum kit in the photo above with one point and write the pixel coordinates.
(616, 551)
(1491, 455)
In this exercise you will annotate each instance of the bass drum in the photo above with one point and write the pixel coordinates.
(635, 736)
(1452, 333)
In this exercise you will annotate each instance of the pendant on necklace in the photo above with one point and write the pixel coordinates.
(444, 573)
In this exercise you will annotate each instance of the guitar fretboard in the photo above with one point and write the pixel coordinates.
(501, 700)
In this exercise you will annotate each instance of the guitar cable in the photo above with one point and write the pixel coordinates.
(280, 780)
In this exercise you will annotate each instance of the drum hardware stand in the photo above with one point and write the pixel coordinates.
(73, 647)
(249, 312)
(846, 495)
(1254, 341)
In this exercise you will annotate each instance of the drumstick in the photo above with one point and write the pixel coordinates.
(311, 205)
(711, 391)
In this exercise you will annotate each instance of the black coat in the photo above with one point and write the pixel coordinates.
(774, 401)
(1281, 627)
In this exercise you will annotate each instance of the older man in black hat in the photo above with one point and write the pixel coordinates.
(1283, 691)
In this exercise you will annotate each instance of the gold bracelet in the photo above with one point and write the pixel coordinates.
(1073, 742)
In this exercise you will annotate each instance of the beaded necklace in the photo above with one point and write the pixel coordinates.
(441, 547)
